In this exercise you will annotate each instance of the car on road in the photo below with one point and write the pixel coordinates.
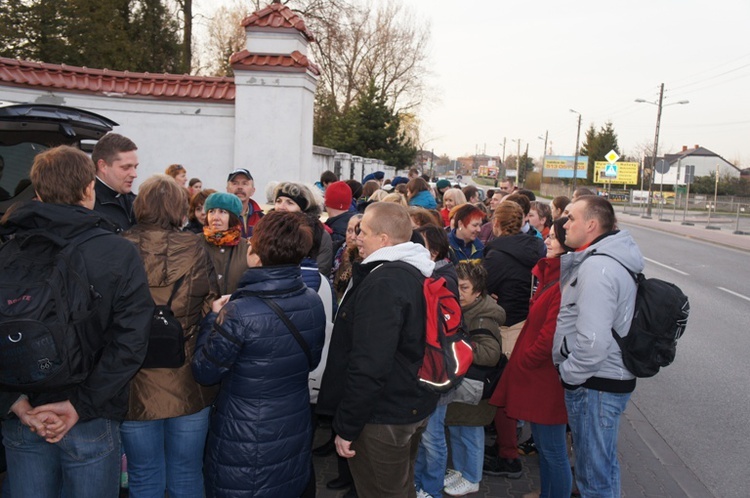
(28, 129)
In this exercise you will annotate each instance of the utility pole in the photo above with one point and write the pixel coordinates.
(518, 162)
(656, 148)
(575, 159)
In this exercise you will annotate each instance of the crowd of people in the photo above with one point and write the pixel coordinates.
(312, 309)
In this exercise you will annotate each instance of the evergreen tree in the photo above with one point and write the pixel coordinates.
(368, 129)
(596, 145)
(134, 35)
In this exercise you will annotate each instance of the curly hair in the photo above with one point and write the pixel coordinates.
(508, 219)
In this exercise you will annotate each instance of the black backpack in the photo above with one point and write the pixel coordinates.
(659, 320)
(46, 302)
(166, 341)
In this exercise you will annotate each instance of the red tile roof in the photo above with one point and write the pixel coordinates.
(296, 62)
(278, 15)
(104, 81)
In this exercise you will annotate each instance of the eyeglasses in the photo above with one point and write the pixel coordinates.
(357, 229)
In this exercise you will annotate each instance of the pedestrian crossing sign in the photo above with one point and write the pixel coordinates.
(610, 171)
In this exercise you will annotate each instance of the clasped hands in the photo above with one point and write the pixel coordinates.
(51, 421)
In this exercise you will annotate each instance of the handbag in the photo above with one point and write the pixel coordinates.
(166, 343)
(295, 332)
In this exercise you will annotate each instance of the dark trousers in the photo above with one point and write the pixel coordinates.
(383, 466)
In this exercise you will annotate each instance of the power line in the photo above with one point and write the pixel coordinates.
(711, 77)
(711, 69)
(717, 84)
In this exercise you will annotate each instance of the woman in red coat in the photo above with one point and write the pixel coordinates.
(530, 388)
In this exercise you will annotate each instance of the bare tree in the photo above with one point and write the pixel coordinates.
(358, 42)
(226, 36)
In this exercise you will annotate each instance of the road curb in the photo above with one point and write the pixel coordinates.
(682, 481)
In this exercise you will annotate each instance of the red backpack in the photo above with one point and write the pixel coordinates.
(447, 353)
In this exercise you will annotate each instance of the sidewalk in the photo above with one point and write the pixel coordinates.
(721, 234)
(649, 467)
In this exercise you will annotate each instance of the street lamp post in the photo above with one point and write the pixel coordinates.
(575, 159)
(518, 159)
(544, 155)
(660, 105)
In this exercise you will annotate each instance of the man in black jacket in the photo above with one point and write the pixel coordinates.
(370, 383)
(67, 441)
(116, 164)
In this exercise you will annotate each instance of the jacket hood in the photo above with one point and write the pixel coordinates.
(64, 220)
(618, 245)
(523, 247)
(408, 252)
(484, 307)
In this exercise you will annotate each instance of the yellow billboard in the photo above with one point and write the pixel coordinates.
(625, 173)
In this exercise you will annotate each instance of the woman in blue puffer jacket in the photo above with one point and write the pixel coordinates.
(259, 441)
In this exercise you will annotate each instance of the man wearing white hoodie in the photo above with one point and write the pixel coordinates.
(370, 383)
(598, 296)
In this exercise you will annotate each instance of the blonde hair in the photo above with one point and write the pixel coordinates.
(391, 219)
(395, 197)
(456, 195)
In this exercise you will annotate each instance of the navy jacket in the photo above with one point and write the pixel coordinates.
(259, 441)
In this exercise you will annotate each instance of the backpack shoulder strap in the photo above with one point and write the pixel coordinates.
(174, 290)
(295, 332)
(630, 272)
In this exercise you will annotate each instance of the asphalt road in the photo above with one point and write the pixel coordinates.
(700, 405)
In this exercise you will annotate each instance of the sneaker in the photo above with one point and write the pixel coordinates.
(527, 447)
(512, 469)
(451, 478)
(461, 487)
(423, 494)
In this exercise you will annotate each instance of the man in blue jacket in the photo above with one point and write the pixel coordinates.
(598, 295)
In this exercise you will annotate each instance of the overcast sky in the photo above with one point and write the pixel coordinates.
(513, 69)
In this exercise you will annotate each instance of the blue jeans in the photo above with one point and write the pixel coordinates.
(166, 454)
(467, 450)
(432, 456)
(594, 418)
(84, 464)
(554, 466)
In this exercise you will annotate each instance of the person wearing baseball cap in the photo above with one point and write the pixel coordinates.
(338, 201)
(240, 183)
